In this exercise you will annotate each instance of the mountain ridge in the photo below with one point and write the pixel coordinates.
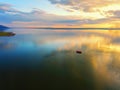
(2, 27)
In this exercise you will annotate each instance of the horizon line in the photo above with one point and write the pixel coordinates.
(62, 28)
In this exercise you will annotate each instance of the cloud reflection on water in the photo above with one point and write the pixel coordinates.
(97, 67)
(100, 51)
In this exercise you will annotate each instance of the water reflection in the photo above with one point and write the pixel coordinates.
(48, 59)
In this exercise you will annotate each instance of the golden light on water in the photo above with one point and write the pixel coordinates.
(102, 52)
(97, 65)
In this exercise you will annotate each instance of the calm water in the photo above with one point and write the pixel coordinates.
(47, 59)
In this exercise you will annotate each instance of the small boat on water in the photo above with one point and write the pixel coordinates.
(79, 52)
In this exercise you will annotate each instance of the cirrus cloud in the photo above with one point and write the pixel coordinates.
(86, 14)
(85, 5)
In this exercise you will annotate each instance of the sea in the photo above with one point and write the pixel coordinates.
(48, 59)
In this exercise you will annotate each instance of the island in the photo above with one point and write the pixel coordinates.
(7, 34)
(3, 33)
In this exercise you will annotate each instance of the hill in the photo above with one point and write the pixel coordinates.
(3, 27)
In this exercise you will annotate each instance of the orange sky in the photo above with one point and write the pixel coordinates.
(61, 13)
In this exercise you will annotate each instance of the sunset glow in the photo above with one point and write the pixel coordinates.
(60, 13)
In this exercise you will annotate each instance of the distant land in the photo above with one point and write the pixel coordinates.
(75, 28)
(3, 27)
(54, 28)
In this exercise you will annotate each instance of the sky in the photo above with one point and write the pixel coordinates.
(60, 13)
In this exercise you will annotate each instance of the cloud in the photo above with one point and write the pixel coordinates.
(5, 7)
(116, 14)
(85, 5)
(83, 13)
(106, 12)
(9, 15)
(88, 9)
(35, 17)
